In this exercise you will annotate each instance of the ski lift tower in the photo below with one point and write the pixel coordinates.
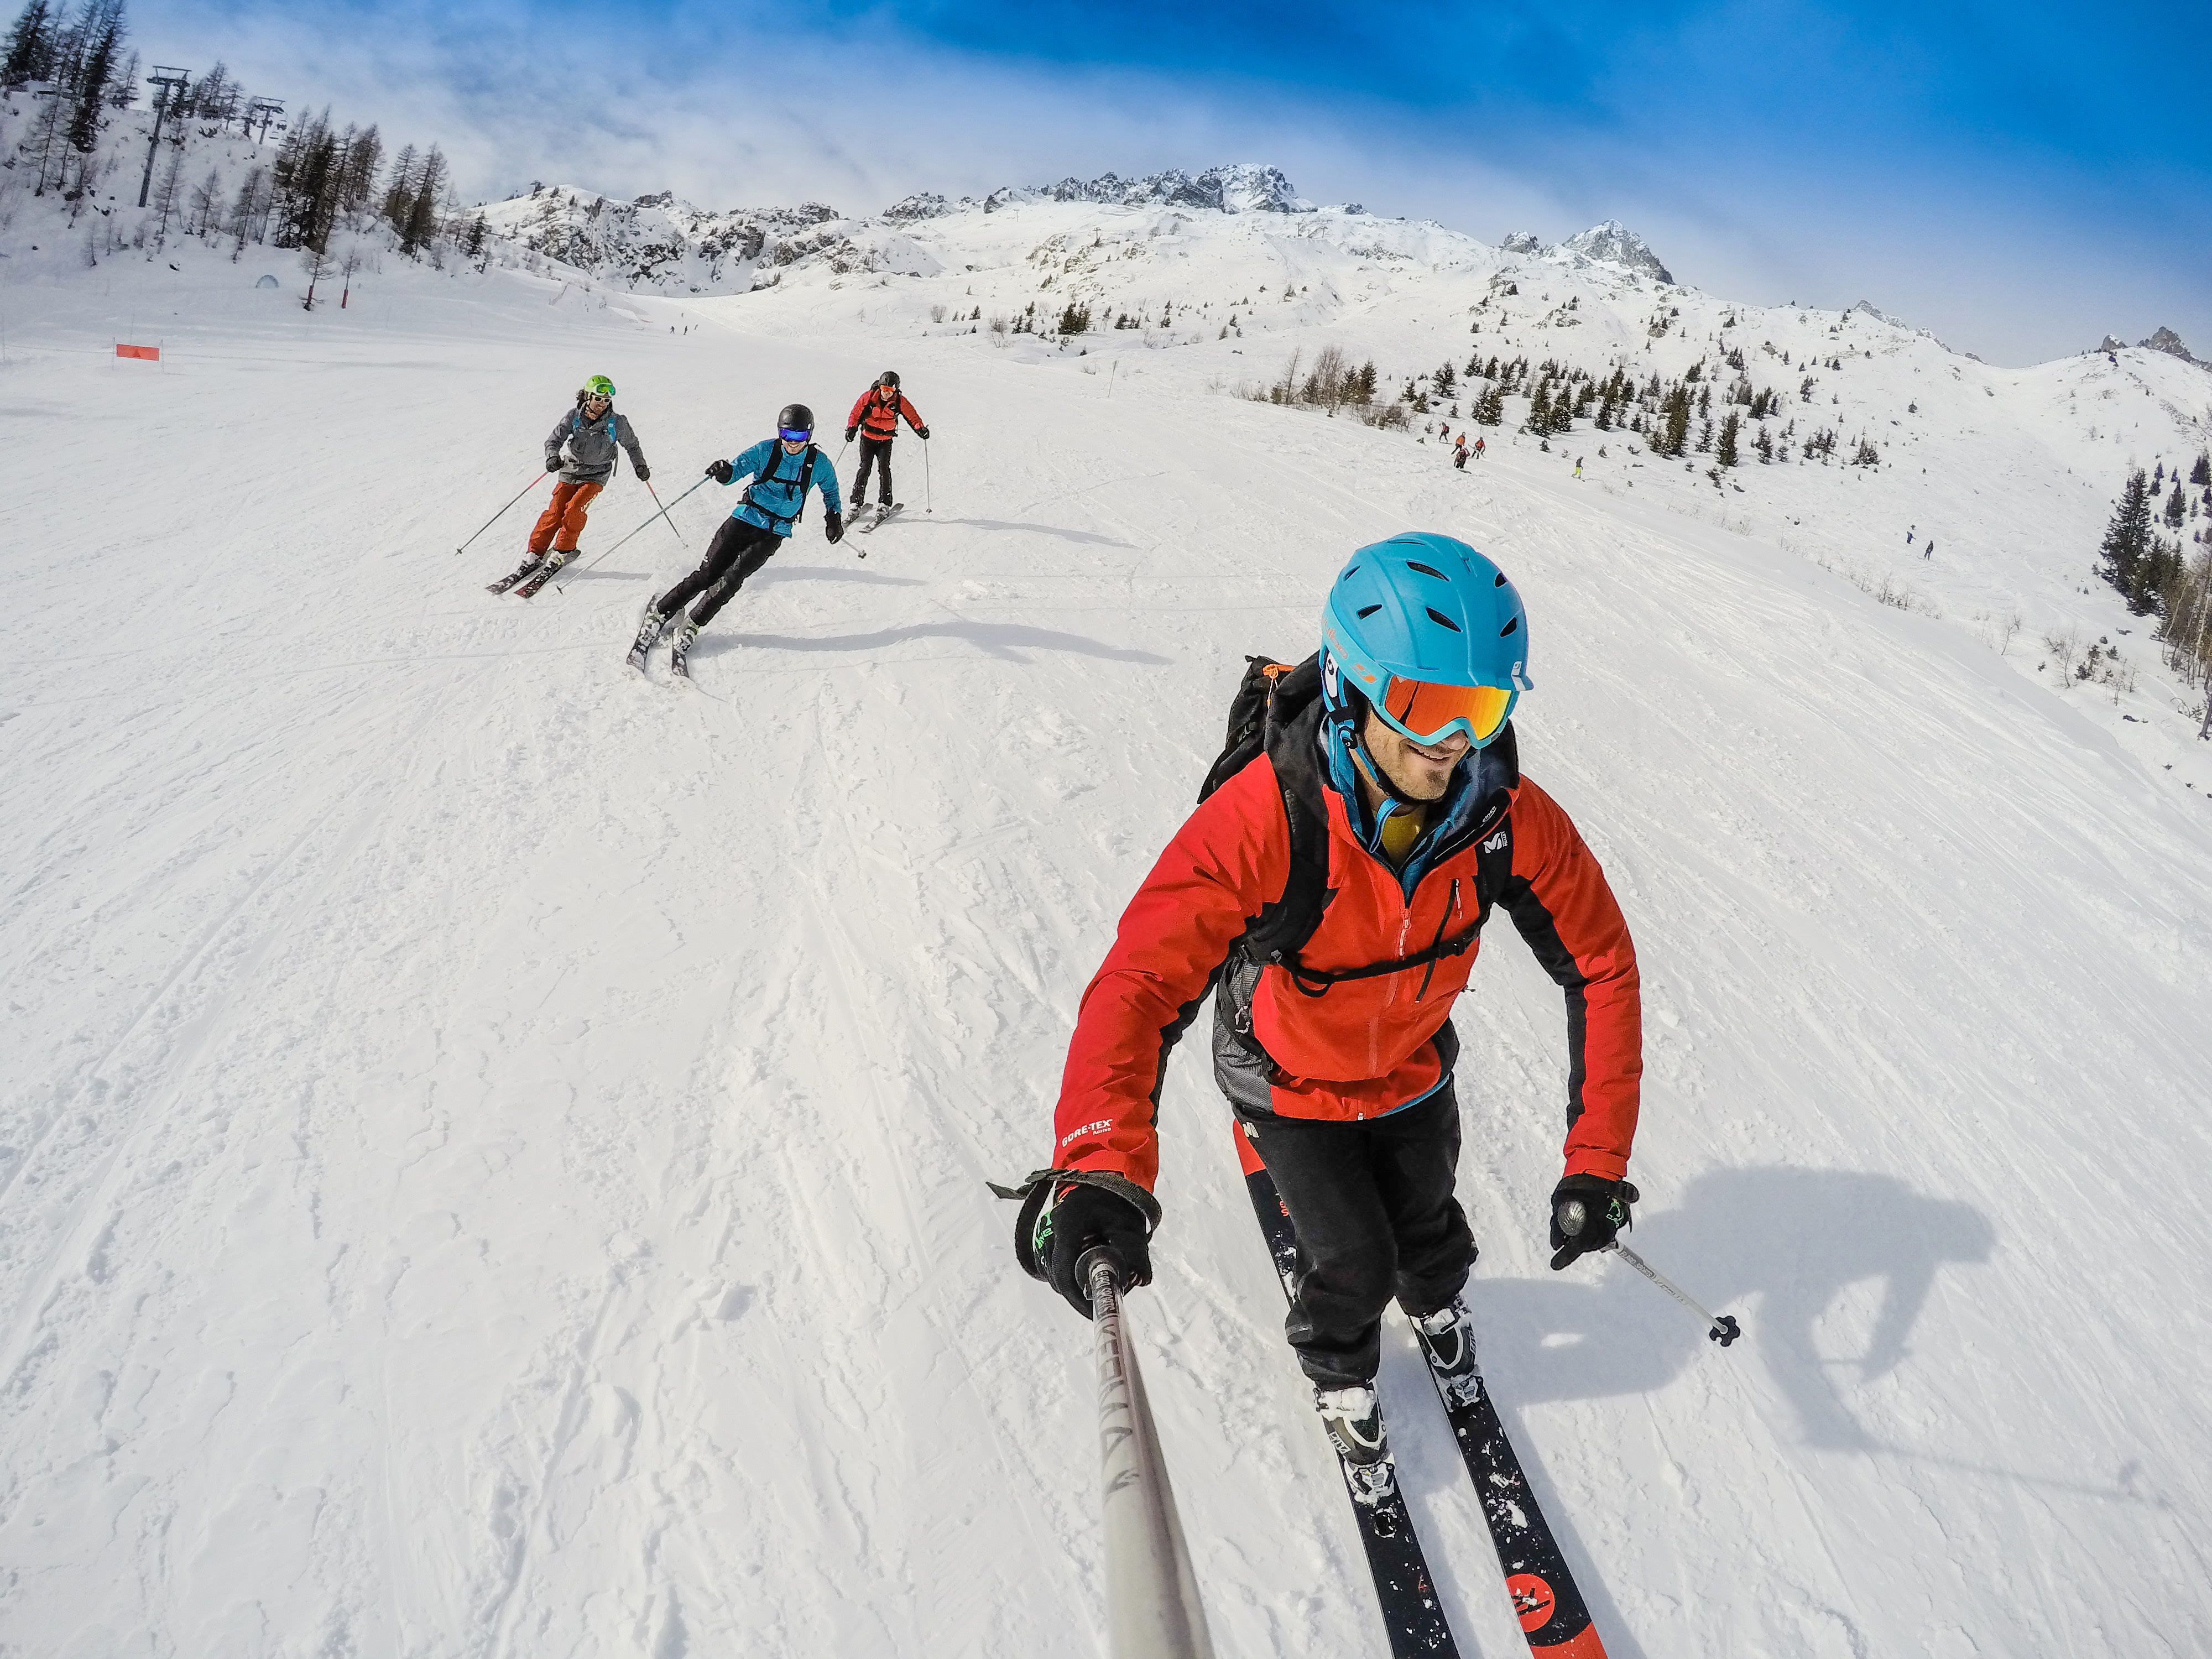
(264, 110)
(169, 83)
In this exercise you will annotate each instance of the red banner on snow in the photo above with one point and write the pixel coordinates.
(151, 354)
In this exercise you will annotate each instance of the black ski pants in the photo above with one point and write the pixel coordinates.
(1376, 1217)
(738, 549)
(874, 452)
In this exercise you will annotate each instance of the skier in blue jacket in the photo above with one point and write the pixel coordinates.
(781, 468)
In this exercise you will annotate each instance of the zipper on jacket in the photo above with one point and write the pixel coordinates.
(1451, 909)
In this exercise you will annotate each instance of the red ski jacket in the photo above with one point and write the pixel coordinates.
(1364, 1046)
(880, 420)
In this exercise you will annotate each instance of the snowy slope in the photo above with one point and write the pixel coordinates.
(493, 1149)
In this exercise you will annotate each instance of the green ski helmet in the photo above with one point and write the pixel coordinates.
(599, 386)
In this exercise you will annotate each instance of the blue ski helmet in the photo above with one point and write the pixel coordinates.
(1424, 610)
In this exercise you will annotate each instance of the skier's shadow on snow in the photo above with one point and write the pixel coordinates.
(1794, 1238)
(1005, 641)
(822, 573)
(1085, 536)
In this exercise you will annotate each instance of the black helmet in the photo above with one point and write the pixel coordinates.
(797, 420)
(889, 377)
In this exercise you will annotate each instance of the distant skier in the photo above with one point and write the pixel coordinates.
(781, 469)
(1459, 452)
(1333, 1042)
(1578, 466)
(875, 419)
(1478, 447)
(589, 434)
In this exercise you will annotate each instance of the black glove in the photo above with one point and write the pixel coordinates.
(921, 432)
(1084, 1217)
(718, 471)
(552, 463)
(1587, 1211)
(835, 528)
(643, 472)
(851, 432)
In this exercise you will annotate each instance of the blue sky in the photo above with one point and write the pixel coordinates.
(2018, 177)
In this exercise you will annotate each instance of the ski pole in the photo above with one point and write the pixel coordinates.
(673, 530)
(596, 557)
(495, 517)
(1153, 1608)
(1724, 1329)
(928, 496)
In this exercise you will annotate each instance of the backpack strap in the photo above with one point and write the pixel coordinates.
(1493, 870)
(770, 476)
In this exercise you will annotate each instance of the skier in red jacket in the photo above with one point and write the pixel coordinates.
(1337, 1054)
(875, 419)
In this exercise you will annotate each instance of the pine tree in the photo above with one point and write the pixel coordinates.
(165, 191)
(359, 154)
(1540, 409)
(2202, 472)
(1725, 452)
(1676, 431)
(2176, 506)
(246, 209)
(422, 213)
(92, 86)
(2127, 538)
(30, 45)
(206, 199)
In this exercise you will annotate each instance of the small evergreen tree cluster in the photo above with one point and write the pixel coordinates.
(82, 57)
(1330, 382)
(2143, 565)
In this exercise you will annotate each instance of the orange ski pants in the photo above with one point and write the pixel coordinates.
(562, 520)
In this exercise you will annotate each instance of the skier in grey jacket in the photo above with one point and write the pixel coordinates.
(588, 434)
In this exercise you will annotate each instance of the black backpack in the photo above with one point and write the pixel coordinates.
(1277, 711)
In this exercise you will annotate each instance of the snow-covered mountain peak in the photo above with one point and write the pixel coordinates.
(1610, 243)
(2166, 340)
(1239, 187)
(1614, 243)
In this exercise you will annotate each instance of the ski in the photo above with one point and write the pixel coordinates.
(679, 654)
(1553, 1617)
(883, 511)
(641, 646)
(545, 573)
(528, 569)
(1411, 1615)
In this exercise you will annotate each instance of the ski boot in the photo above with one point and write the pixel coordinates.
(679, 650)
(522, 573)
(1353, 1420)
(1448, 1339)
(648, 636)
(546, 572)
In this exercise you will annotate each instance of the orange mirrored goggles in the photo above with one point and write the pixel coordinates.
(1428, 713)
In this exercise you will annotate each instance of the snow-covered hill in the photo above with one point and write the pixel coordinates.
(491, 1151)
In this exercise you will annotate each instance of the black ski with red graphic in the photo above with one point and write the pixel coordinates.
(1553, 1615)
(1553, 1618)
